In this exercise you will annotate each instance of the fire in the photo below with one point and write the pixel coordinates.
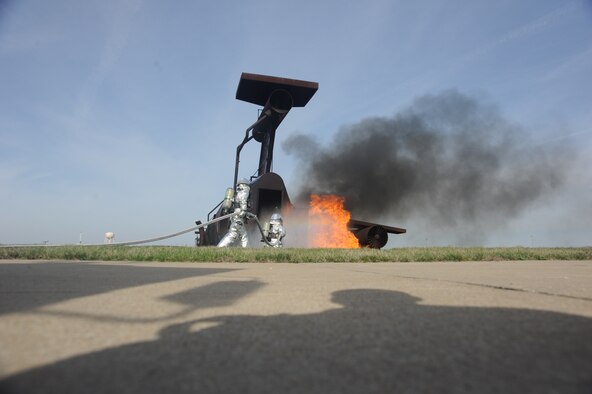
(328, 223)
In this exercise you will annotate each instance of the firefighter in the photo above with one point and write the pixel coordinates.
(237, 231)
(276, 231)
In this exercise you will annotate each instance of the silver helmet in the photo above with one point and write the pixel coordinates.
(277, 217)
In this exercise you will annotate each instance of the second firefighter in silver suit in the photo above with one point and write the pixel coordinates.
(275, 231)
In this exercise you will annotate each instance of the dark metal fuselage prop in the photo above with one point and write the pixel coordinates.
(268, 194)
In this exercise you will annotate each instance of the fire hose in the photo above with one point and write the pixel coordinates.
(145, 241)
(263, 237)
(218, 219)
(148, 240)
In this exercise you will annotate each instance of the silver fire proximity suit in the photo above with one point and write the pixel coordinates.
(237, 230)
(276, 231)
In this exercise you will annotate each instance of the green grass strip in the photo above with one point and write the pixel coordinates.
(213, 254)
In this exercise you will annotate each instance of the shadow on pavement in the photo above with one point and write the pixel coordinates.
(376, 342)
(31, 285)
(218, 294)
(211, 295)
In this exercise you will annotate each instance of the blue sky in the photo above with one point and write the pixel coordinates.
(120, 115)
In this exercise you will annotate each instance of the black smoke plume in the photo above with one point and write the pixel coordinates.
(449, 160)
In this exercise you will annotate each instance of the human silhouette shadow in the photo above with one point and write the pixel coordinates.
(377, 341)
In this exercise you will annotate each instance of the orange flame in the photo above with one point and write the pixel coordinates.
(328, 223)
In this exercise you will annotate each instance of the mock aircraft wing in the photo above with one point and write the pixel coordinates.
(360, 224)
(372, 235)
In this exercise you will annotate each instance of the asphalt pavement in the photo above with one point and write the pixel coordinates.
(478, 327)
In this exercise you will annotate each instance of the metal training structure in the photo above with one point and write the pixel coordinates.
(268, 194)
